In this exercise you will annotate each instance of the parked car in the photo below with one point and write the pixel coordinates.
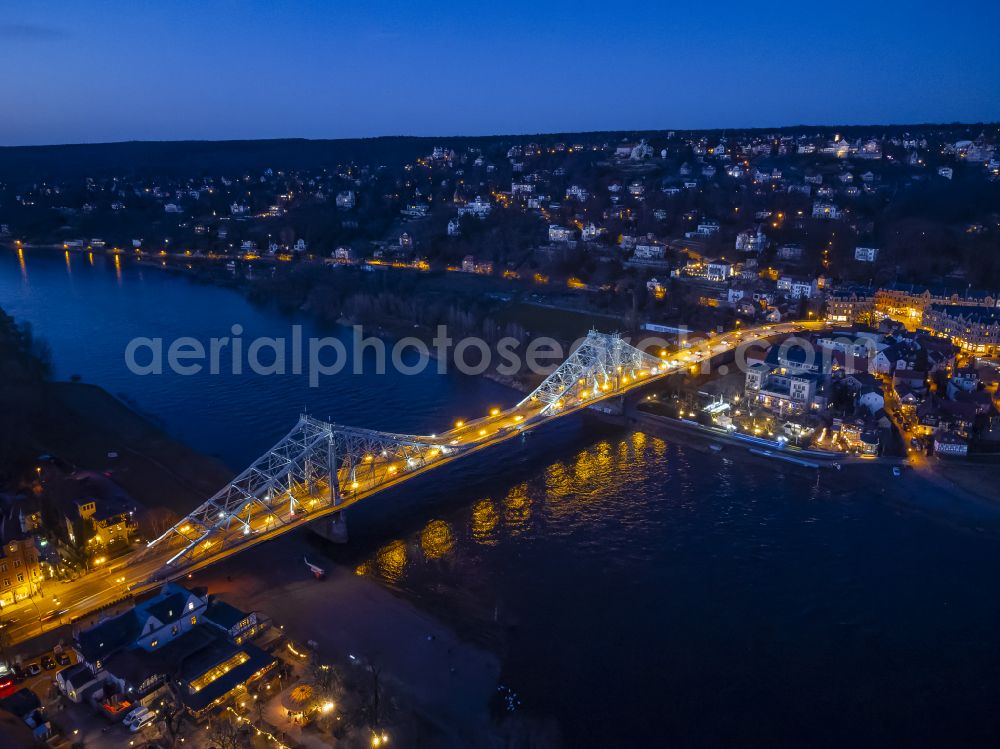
(142, 722)
(48, 663)
(63, 659)
(32, 669)
(136, 715)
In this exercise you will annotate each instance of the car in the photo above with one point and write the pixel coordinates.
(142, 722)
(47, 663)
(32, 669)
(136, 715)
(63, 659)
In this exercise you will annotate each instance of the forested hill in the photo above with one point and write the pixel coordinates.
(195, 157)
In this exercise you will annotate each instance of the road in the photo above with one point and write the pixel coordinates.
(192, 545)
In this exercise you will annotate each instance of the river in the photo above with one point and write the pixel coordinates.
(638, 590)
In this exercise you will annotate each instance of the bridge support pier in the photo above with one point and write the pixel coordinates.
(332, 528)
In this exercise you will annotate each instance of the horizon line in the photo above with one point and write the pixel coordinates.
(548, 134)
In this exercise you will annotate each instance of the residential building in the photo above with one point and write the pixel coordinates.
(949, 444)
(479, 208)
(866, 254)
(20, 573)
(975, 330)
(197, 642)
(560, 233)
(850, 306)
(824, 210)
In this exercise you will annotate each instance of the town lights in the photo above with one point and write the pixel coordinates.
(494, 412)
(459, 424)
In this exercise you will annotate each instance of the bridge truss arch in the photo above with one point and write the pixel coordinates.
(311, 471)
(602, 365)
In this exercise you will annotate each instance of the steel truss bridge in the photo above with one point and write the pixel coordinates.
(320, 468)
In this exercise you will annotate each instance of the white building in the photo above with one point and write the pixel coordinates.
(345, 199)
(479, 208)
(560, 233)
(718, 270)
(827, 211)
(751, 242)
(650, 251)
(866, 254)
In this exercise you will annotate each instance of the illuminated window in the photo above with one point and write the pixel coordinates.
(194, 619)
(219, 671)
(154, 643)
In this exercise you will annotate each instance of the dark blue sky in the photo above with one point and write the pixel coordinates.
(95, 71)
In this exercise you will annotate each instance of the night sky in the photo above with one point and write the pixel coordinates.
(94, 71)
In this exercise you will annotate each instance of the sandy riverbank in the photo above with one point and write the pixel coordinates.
(443, 685)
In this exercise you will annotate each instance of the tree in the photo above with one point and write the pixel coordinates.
(225, 733)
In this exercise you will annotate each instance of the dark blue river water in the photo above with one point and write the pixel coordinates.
(639, 591)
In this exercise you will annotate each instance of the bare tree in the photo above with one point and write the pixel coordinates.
(226, 733)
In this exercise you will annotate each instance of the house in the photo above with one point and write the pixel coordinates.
(797, 288)
(827, 211)
(299, 246)
(914, 380)
(949, 444)
(751, 242)
(20, 573)
(454, 229)
(237, 625)
(650, 251)
(872, 399)
(74, 681)
(907, 398)
(198, 642)
(469, 265)
(792, 252)
(718, 270)
(172, 208)
(560, 233)
(479, 208)
(103, 518)
(345, 199)
(783, 389)
(149, 625)
(866, 254)
(238, 209)
(784, 392)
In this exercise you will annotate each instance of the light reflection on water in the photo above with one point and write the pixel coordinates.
(568, 496)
